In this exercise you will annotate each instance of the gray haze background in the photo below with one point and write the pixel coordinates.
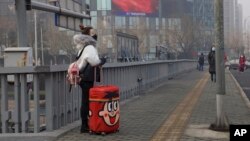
(246, 8)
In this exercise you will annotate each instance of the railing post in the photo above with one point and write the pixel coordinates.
(37, 104)
(49, 101)
(5, 114)
(25, 114)
(17, 111)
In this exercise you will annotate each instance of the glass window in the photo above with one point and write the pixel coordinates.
(63, 3)
(99, 4)
(87, 1)
(93, 13)
(118, 22)
(130, 22)
(163, 23)
(104, 13)
(94, 22)
(157, 23)
(108, 4)
(147, 22)
(103, 4)
(123, 19)
(133, 22)
(86, 22)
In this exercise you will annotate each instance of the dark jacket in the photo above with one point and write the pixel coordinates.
(211, 62)
(201, 60)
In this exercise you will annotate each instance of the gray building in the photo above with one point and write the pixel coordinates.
(233, 35)
(239, 21)
(204, 13)
(108, 19)
(150, 28)
(229, 21)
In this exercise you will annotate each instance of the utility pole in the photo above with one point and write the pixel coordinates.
(42, 46)
(35, 23)
(221, 123)
(22, 35)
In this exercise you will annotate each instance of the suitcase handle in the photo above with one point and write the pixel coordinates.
(101, 75)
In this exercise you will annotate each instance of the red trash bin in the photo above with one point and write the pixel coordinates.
(104, 109)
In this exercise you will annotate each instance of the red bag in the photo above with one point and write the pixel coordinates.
(104, 110)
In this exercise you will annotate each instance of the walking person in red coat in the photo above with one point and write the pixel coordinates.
(242, 62)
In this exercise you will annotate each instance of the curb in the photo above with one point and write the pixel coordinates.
(43, 136)
(242, 93)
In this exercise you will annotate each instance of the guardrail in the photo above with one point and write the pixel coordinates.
(21, 113)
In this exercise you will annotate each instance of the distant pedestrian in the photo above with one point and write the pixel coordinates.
(242, 62)
(211, 62)
(201, 62)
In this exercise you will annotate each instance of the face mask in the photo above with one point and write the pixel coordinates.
(95, 37)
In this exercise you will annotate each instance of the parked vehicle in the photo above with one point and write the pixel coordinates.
(234, 64)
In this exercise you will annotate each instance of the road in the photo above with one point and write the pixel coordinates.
(243, 79)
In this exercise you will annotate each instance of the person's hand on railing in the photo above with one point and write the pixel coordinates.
(103, 60)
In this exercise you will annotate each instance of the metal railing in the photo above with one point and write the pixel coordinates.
(53, 106)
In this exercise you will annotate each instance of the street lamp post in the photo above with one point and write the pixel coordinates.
(22, 35)
(35, 23)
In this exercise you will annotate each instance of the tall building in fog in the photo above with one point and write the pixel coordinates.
(239, 21)
(232, 26)
(204, 13)
(229, 20)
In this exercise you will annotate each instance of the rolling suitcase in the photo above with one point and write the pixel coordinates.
(104, 109)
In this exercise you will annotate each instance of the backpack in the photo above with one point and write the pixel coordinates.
(73, 76)
(73, 73)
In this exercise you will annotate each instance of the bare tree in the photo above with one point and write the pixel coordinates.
(7, 31)
(58, 41)
(140, 29)
(187, 38)
(235, 42)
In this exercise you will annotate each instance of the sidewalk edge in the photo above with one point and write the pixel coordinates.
(42, 136)
(242, 93)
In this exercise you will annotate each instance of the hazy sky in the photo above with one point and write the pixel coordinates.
(246, 8)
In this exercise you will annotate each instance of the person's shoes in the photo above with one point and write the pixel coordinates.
(84, 130)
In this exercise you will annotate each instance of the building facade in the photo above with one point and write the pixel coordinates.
(203, 15)
(233, 32)
(150, 28)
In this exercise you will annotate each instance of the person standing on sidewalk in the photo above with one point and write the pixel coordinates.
(201, 62)
(211, 62)
(88, 59)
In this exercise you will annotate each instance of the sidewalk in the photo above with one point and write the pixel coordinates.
(142, 117)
